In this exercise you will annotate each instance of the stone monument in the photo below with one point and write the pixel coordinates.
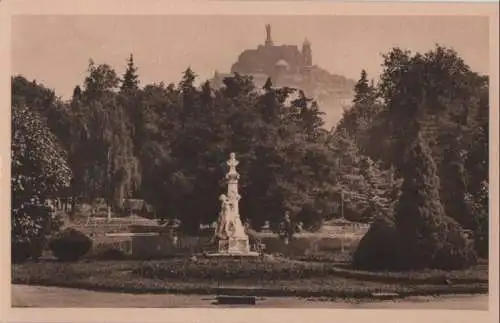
(230, 233)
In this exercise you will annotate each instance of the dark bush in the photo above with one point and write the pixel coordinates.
(22, 251)
(383, 249)
(70, 245)
(380, 248)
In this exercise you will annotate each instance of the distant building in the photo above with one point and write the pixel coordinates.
(289, 66)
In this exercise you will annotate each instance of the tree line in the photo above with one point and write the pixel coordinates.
(168, 144)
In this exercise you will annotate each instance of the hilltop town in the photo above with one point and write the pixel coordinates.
(287, 65)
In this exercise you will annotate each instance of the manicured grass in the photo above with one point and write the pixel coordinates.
(276, 277)
(476, 274)
(279, 269)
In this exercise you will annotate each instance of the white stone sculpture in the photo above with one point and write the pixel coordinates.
(230, 232)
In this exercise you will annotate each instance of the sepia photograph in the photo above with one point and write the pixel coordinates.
(250, 161)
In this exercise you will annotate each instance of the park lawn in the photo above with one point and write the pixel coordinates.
(317, 279)
(477, 274)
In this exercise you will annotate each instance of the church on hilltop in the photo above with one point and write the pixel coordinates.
(287, 65)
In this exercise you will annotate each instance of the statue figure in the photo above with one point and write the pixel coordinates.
(269, 41)
(222, 223)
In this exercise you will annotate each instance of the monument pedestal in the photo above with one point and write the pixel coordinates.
(234, 245)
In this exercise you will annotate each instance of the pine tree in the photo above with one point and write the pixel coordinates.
(189, 95)
(130, 81)
(187, 82)
(365, 93)
(357, 120)
(77, 93)
(207, 94)
(419, 205)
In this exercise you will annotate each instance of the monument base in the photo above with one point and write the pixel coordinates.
(234, 247)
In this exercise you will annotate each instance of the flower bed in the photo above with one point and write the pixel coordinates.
(230, 269)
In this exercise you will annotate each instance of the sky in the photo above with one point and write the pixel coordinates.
(55, 50)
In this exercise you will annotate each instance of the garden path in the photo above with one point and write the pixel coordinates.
(38, 296)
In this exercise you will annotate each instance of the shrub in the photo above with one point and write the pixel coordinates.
(32, 224)
(21, 251)
(380, 248)
(70, 245)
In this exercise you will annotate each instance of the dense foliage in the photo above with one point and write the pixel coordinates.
(432, 122)
(168, 144)
(39, 171)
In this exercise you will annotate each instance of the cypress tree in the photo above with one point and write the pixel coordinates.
(431, 239)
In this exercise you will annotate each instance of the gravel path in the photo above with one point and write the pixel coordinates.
(38, 296)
